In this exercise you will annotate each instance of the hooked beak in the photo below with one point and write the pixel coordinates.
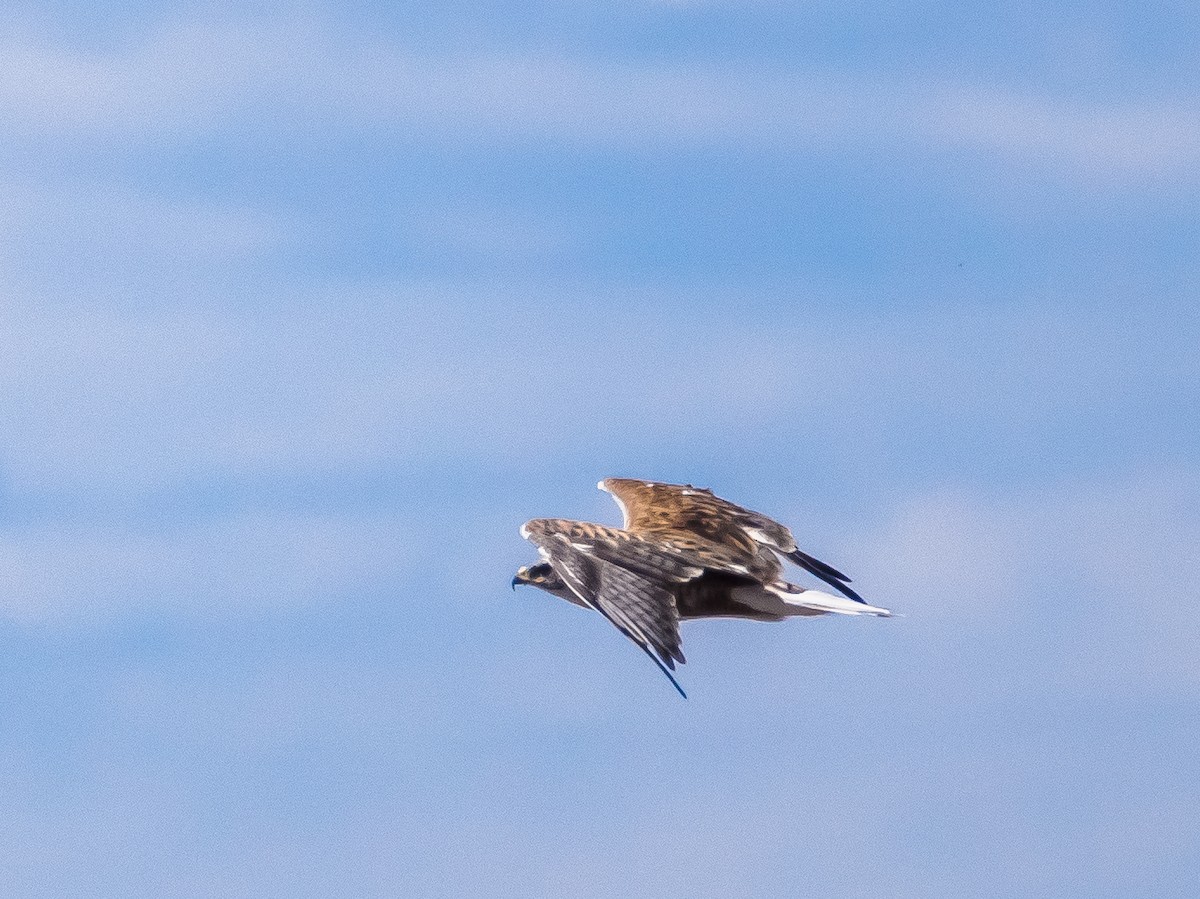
(516, 580)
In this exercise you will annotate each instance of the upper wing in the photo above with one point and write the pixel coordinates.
(650, 507)
(669, 556)
(635, 601)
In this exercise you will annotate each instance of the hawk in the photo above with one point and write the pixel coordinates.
(682, 553)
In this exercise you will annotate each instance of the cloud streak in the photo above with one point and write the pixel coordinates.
(75, 575)
(122, 400)
(1110, 562)
(180, 83)
(66, 230)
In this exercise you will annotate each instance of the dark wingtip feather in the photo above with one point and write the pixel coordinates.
(816, 566)
(827, 573)
(663, 668)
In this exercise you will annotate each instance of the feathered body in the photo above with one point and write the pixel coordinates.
(682, 553)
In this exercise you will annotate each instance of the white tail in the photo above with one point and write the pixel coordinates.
(784, 604)
(827, 602)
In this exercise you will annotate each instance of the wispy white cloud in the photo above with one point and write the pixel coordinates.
(1111, 562)
(417, 374)
(501, 235)
(78, 574)
(173, 81)
(1120, 138)
(193, 80)
(208, 391)
(53, 227)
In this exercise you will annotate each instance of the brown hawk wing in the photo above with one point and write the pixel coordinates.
(620, 579)
(654, 508)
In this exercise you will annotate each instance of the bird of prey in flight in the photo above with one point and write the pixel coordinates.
(682, 553)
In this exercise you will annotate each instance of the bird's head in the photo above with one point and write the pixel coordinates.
(539, 575)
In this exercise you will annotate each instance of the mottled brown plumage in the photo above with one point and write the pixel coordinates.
(683, 553)
(651, 508)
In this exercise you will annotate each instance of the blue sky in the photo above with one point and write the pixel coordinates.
(303, 313)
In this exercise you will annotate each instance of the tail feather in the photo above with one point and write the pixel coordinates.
(827, 602)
